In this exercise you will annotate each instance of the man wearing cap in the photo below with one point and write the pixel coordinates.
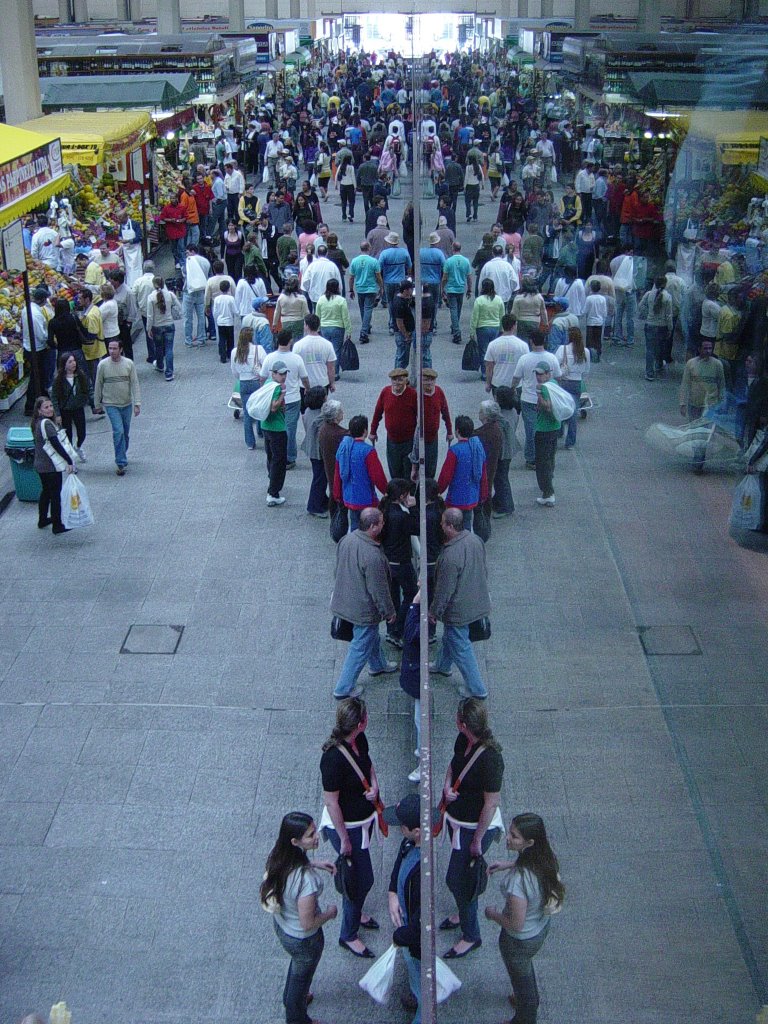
(405, 893)
(502, 273)
(395, 263)
(361, 592)
(503, 355)
(435, 407)
(456, 283)
(275, 435)
(525, 373)
(377, 236)
(547, 433)
(297, 379)
(318, 273)
(365, 277)
(398, 404)
(432, 262)
(318, 354)
(561, 324)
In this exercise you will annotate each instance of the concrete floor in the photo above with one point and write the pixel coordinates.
(140, 793)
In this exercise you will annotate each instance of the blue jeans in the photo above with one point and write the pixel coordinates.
(391, 290)
(573, 387)
(163, 340)
(179, 250)
(193, 235)
(402, 351)
(426, 349)
(518, 955)
(455, 305)
(354, 518)
(414, 981)
(364, 648)
(655, 340)
(336, 337)
(247, 388)
(529, 413)
(457, 880)
(456, 648)
(624, 320)
(292, 411)
(120, 418)
(485, 335)
(305, 956)
(362, 873)
(194, 302)
(365, 303)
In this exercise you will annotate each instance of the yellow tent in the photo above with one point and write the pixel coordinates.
(736, 133)
(88, 139)
(31, 171)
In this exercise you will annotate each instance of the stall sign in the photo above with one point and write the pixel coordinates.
(28, 173)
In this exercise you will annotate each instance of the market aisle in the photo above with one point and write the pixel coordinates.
(141, 792)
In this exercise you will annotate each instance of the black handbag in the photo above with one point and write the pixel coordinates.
(481, 524)
(344, 879)
(470, 359)
(341, 629)
(348, 355)
(477, 882)
(339, 523)
(480, 629)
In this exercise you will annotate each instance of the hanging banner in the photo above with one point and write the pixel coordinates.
(25, 174)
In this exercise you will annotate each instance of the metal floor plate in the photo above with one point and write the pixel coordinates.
(152, 639)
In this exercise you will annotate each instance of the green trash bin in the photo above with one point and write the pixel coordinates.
(20, 449)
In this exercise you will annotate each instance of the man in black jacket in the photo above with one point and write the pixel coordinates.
(405, 893)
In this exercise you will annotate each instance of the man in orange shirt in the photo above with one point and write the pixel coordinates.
(189, 204)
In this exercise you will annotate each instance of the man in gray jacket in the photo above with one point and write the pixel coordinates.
(361, 595)
(460, 596)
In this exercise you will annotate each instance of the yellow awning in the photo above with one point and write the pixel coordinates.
(89, 139)
(31, 171)
(736, 133)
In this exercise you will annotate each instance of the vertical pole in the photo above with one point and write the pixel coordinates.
(428, 991)
(144, 216)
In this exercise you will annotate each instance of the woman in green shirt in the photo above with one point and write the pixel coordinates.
(335, 324)
(485, 324)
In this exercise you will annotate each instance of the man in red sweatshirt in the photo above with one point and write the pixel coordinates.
(435, 406)
(399, 406)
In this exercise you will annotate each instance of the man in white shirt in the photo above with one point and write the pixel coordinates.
(42, 354)
(272, 154)
(503, 354)
(45, 247)
(546, 151)
(596, 313)
(318, 273)
(297, 378)
(502, 274)
(234, 183)
(196, 272)
(212, 289)
(318, 354)
(525, 373)
(585, 186)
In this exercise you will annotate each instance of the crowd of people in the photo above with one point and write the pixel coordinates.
(552, 283)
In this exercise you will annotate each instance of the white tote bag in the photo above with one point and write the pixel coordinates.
(624, 278)
(747, 501)
(446, 981)
(377, 982)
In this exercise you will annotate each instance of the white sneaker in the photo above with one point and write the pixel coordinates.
(272, 502)
(415, 775)
(81, 454)
(549, 502)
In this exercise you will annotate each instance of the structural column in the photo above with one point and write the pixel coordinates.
(581, 21)
(65, 13)
(522, 8)
(81, 12)
(236, 15)
(129, 10)
(168, 18)
(270, 9)
(18, 58)
(547, 8)
(648, 16)
(295, 9)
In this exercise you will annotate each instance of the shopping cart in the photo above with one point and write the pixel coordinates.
(235, 402)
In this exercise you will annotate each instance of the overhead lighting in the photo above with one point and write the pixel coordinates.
(170, 135)
(647, 135)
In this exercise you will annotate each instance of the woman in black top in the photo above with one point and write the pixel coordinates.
(350, 809)
(435, 540)
(67, 334)
(400, 524)
(44, 429)
(69, 394)
(472, 802)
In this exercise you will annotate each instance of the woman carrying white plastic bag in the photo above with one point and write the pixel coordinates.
(75, 506)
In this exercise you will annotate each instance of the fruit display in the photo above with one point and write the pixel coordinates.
(11, 368)
(12, 294)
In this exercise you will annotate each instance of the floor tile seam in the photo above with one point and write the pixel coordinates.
(716, 859)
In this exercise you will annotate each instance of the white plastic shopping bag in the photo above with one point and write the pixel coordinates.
(260, 402)
(563, 404)
(75, 506)
(446, 982)
(377, 982)
(747, 499)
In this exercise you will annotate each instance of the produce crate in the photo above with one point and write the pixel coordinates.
(10, 400)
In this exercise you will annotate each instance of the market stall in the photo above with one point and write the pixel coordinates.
(31, 172)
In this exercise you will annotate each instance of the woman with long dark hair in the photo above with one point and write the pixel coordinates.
(290, 891)
(69, 394)
(50, 467)
(471, 795)
(473, 181)
(234, 243)
(347, 183)
(575, 360)
(349, 817)
(533, 892)
(401, 522)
